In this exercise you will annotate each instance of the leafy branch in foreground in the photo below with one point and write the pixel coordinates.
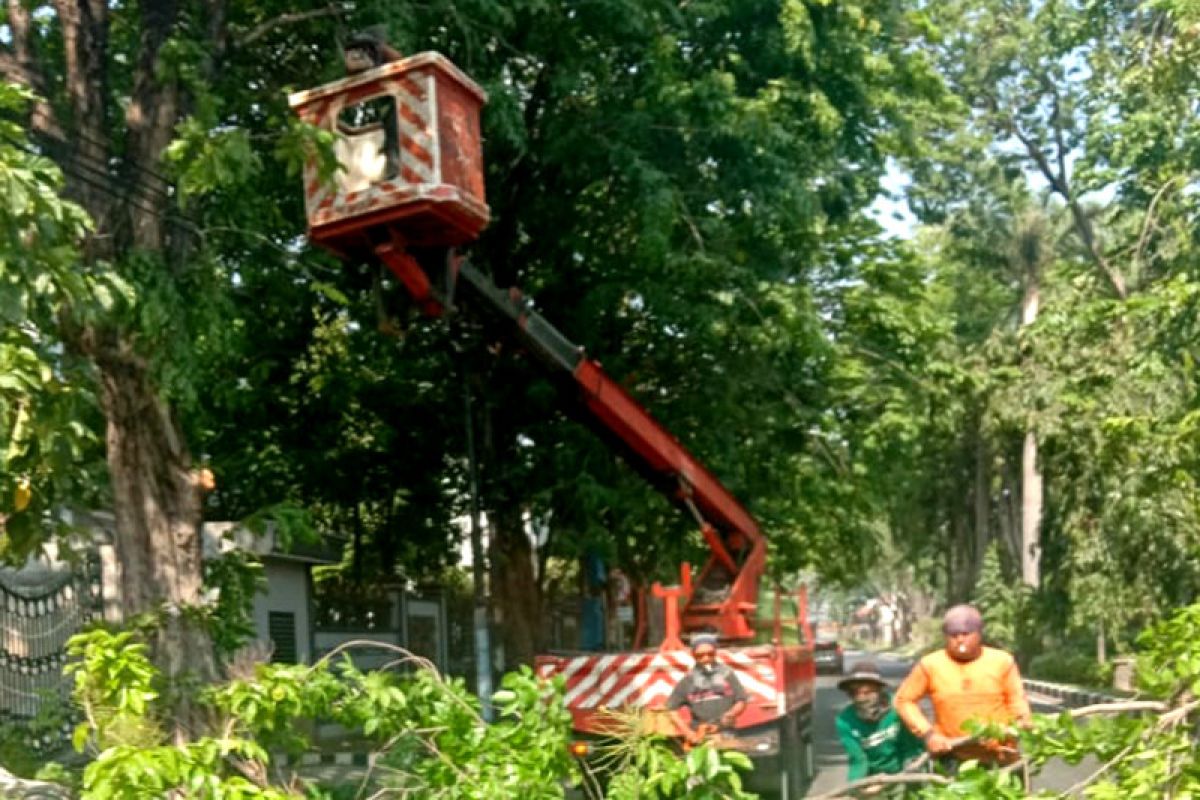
(426, 731)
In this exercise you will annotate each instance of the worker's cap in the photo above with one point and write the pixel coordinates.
(962, 619)
(864, 672)
(701, 639)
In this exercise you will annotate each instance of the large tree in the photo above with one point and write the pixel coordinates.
(118, 84)
(669, 180)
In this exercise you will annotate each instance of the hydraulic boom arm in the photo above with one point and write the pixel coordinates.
(725, 595)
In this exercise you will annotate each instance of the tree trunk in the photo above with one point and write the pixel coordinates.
(1031, 476)
(514, 587)
(960, 587)
(156, 503)
(1009, 516)
(983, 502)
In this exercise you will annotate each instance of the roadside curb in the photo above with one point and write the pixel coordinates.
(1067, 695)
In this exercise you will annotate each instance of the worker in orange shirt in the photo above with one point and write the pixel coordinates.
(964, 680)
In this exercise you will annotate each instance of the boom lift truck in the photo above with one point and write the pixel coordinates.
(411, 191)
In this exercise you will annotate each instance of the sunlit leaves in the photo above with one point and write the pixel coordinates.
(48, 430)
(426, 730)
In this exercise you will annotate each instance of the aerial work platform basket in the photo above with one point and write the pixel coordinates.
(409, 144)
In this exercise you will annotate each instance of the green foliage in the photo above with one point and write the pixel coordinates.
(427, 731)
(114, 684)
(685, 257)
(236, 577)
(51, 450)
(652, 770)
(1070, 666)
(524, 752)
(1168, 663)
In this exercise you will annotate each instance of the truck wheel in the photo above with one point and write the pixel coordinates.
(801, 765)
(807, 759)
(781, 776)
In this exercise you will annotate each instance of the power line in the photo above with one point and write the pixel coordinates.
(102, 183)
(39, 113)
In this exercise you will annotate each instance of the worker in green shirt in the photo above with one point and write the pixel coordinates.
(877, 742)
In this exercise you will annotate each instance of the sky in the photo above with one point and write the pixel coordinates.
(890, 208)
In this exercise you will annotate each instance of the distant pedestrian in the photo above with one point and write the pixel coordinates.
(964, 681)
(875, 740)
(710, 690)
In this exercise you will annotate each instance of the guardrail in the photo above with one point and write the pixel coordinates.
(1070, 696)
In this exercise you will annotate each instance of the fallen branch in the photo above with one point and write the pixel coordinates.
(22, 789)
(898, 779)
(1120, 707)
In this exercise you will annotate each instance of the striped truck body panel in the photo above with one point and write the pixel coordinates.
(777, 680)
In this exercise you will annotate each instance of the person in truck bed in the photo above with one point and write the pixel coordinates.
(710, 690)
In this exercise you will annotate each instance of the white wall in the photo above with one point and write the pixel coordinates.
(287, 590)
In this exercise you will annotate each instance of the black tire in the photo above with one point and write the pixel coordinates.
(781, 776)
(807, 760)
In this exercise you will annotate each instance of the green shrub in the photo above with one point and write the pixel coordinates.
(1069, 666)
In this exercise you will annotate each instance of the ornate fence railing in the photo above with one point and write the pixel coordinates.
(38, 614)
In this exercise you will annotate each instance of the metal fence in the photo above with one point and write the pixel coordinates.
(37, 617)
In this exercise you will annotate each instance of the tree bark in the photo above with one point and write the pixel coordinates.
(156, 504)
(1031, 475)
(983, 502)
(150, 117)
(514, 587)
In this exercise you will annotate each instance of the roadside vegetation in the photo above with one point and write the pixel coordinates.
(991, 396)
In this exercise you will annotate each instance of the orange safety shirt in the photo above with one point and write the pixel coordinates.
(988, 689)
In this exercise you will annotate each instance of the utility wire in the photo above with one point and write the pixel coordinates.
(39, 113)
(104, 185)
(96, 180)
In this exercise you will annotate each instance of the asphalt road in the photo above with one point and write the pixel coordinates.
(831, 760)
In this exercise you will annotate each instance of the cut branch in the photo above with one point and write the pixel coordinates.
(900, 779)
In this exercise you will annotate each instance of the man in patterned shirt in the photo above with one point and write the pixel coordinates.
(710, 690)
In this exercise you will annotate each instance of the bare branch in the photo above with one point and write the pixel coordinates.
(1177, 715)
(1034, 150)
(262, 29)
(1083, 225)
(1059, 144)
(1121, 707)
(18, 25)
(1148, 224)
(1090, 779)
